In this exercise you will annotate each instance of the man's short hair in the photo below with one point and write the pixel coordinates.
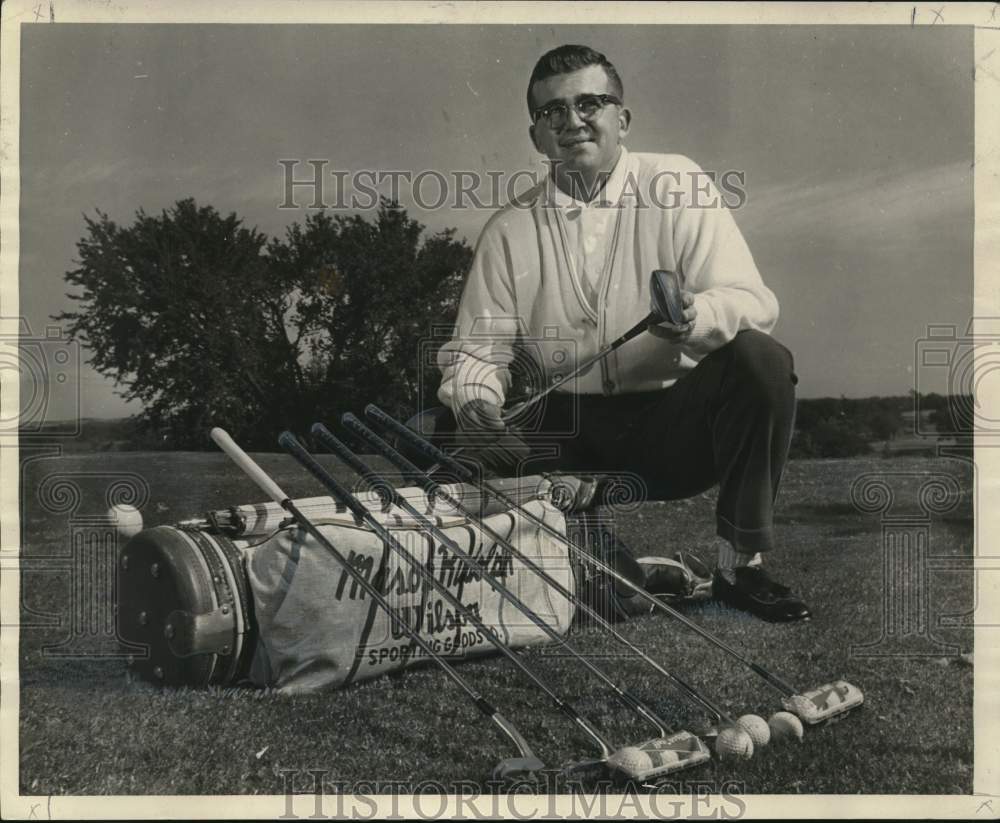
(566, 59)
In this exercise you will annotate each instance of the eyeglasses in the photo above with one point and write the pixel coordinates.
(588, 106)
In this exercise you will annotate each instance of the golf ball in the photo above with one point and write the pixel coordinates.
(630, 760)
(127, 519)
(785, 726)
(757, 728)
(734, 742)
(664, 756)
(802, 706)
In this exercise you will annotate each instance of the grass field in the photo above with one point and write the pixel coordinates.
(87, 729)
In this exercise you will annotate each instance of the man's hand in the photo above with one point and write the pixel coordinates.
(677, 334)
(483, 432)
(480, 415)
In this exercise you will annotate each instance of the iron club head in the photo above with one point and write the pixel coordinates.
(516, 768)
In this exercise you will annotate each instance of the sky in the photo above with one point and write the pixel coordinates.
(857, 145)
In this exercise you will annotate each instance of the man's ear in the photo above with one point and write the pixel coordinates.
(534, 140)
(624, 121)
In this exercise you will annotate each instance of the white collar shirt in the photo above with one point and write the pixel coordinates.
(589, 227)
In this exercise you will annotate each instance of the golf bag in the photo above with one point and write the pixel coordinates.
(245, 596)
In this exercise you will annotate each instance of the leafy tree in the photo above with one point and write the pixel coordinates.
(379, 292)
(207, 322)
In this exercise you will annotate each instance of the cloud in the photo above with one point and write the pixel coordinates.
(82, 180)
(894, 210)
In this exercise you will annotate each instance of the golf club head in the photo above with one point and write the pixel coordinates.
(707, 730)
(821, 704)
(591, 767)
(659, 756)
(516, 768)
(665, 296)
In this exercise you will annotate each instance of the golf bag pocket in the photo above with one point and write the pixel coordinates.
(318, 628)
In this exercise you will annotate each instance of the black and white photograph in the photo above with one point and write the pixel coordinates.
(498, 410)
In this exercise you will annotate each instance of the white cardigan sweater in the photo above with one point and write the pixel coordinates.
(524, 288)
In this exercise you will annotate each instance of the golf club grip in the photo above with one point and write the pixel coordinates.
(246, 463)
(425, 447)
(290, 443)
(358, 427)
(338, 447)
(344, 453)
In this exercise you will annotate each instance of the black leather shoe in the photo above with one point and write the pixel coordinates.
(751, 589)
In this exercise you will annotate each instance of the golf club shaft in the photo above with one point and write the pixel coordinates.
(519, 406)
(635, 331)
(272, 490)
(435, 490)
(668, 304)
(345, 497)
(345, 454)
(432, 452)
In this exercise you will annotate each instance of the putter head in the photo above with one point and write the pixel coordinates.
(659, 756)
(516, 768)
(821, 704)
(665, 296)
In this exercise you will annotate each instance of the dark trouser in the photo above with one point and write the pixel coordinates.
(727, 422)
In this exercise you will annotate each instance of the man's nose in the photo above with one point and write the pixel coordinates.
(573, 119)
